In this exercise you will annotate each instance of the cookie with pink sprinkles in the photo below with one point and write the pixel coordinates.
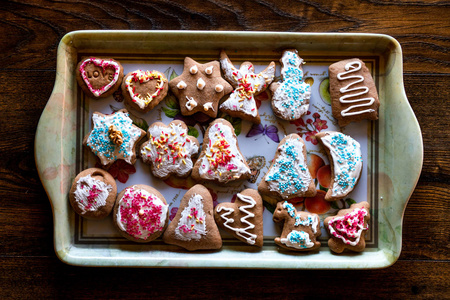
(141, 213)
(347, 230)
(99, 77)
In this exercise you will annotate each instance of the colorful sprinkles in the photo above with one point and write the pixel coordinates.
(141, 77)
(349, 227)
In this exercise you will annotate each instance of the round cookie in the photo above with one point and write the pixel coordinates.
(141, 213)
(99, 77)
(144, 90)
(93, 193)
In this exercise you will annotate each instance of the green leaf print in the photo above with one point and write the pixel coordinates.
(192, 131)
(170, 113)
(171, 102)
(236, 122)
(269, 207)
(349, 201)
(334, 205)
(173, 75)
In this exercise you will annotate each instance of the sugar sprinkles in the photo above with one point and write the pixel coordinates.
(289, 174)
(349, 227)
(140, 213)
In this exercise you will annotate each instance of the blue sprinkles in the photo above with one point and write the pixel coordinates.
(100, 142)
(292, 85)
(286, 174)
(298, 237)
(298, 221)
(346, 156)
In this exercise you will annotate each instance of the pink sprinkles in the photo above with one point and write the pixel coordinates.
(91, 199)
(139, 215)
(350, 225)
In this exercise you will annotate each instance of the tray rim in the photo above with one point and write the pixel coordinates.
(70, 255)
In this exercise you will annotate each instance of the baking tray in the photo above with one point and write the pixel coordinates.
(392, 165)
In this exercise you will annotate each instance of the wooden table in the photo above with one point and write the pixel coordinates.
(30, 33)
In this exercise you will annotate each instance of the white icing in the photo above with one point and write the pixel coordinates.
(83, 196)
(176, 134)
(191, 227)
(209, 70)
(181, 85)
(218, 88)
(101, 144)
(351, 217)
(237, 163)
(208, 106)
(201, 84)
(353, 67)
(139, 210)
(193, 70)
(191, 103)
(294, 180)
(143, 100)
(298, 240)
(242, 232)
(289, 97)
(236, 102)
(104, 64)
(347, 162)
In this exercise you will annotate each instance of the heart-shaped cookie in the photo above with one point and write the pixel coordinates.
(243, 218)
(143, 90)
(99, 77)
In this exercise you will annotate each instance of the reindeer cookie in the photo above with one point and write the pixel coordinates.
(346, 163)
(193, 227)
(290, 100)
(144, 90)
(199, 88)
(169, 149)
(300, 229)
(113, 137)
(288, 175)
(243, 218)
(99, 77)
(220, 159)
(247, 84)
(353, 93)
(347, 229)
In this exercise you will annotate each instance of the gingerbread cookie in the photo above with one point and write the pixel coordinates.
(169, 149)
(300, 229)
(144, 90)
(193, 227)
(247, 84)
(141, 213)
(353, 93)
(347, 229)
(288, 175)
(93, 193)
(99, 77)
(199, 88)
(113, 137)
(346, 163)
(290, 100)
(243, 218)
(220, 159)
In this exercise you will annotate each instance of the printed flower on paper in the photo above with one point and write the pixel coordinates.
(309, 127)
(173, 213)
(120, 170)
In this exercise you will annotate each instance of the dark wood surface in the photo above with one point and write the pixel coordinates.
(29, 34)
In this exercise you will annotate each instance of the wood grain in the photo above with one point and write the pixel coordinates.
(30, 32)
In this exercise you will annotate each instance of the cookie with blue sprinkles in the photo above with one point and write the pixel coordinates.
(290, 97)
(113, 137)
(288, 176)
(346, 163)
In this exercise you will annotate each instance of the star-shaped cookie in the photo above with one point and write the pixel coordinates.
(113, 137)
(199, 88)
